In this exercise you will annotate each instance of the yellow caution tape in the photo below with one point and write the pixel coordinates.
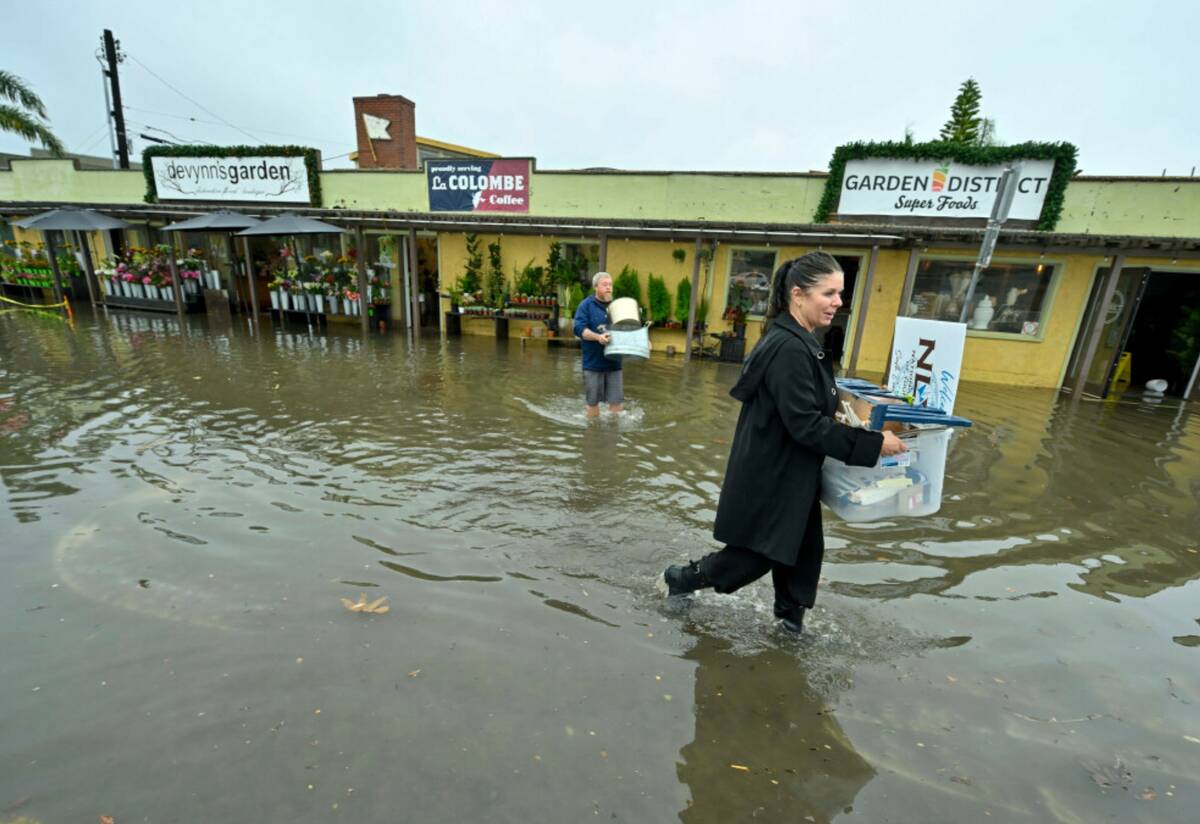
(66, 304)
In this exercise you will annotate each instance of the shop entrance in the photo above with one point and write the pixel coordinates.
(833, 337)
(1151, 331)
(427, 280)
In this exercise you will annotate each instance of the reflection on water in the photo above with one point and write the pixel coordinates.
(183, 510)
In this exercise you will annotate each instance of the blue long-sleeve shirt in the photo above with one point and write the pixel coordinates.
(592, 314)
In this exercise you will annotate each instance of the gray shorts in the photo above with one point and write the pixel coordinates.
(607, 387)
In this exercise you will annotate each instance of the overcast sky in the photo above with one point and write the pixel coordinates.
(634, 85)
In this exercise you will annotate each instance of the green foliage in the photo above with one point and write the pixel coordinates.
(495, 286)
(312, 163)
(530, 279)
(28, 117)
(679, 254)
(738, 304)
(963, 125)
(574, 298)
(627, 285)
(1063, 155)
(472, 276)
(1186, 340)
(660, 299)
(683, 300)
(562, 270)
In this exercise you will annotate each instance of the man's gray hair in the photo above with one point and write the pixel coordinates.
(596, 278)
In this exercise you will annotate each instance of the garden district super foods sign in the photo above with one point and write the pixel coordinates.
(500, 185)
(925, 188)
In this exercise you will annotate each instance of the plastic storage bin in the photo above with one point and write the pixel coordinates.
(905, 485)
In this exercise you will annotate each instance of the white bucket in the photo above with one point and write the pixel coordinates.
(624, 343)
(624, 314)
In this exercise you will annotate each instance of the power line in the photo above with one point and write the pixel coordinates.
(190, 100)
(322, 142)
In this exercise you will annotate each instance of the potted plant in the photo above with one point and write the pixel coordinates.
(735, 310)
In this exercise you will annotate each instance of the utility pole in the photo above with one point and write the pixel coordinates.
(117, 112)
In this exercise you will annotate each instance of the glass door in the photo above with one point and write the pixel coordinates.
(1115, 326)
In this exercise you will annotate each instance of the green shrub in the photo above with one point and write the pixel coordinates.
(683, 300)
(660, 299)
(627, 285)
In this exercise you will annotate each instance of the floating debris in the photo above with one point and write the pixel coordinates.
(376, 607)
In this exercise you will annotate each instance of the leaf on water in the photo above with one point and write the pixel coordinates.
(1108, 775)
(108, 819)
(951, 679)
(740, 767)
(1148, 794)
(376, 607)
(1191, 738)
(414, 673)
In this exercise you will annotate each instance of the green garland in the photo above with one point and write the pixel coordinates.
(1062, 153)
(312, 162)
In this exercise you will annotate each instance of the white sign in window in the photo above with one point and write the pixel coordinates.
(269, 179)
(930, 188)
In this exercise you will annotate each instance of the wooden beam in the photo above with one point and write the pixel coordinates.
(360, 259)
(691, 322)
(250, 280)
(176, 286)
(864, 301)
(414, 281)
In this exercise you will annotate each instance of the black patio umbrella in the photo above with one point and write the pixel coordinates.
(292, 224)
(222, 220)
(71, 220)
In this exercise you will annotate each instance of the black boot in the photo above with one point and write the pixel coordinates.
(790, 618)
(681, 580)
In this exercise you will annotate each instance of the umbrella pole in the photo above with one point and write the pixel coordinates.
(250, 278)
(296, 257)
(231, 244)
(176, 286)
(360, 260)
(89, 272)
(50, 253)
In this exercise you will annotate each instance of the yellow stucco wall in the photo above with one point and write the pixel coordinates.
(1168, 207)
(1126, 206)
(988, 357)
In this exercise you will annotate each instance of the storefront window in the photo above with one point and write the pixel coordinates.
(1009, 297)
(750, 273)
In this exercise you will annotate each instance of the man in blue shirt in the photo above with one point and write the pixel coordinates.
(602, 377)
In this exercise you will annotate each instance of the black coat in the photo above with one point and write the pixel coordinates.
(770, 501)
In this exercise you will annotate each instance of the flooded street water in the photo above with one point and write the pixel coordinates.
(183, 513)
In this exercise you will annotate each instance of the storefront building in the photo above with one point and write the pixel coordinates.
(1129, 245)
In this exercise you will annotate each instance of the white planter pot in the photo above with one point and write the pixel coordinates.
(214, 279)
(333, 304)
(139, 291)
(316, 302)
(275, 300)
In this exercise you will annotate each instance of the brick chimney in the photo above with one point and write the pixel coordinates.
(399, 151)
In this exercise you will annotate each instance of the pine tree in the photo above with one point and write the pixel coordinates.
(963, 125)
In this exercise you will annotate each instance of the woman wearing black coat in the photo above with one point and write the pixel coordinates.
(769, 514)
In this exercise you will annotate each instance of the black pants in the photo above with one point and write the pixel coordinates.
(733, 567)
